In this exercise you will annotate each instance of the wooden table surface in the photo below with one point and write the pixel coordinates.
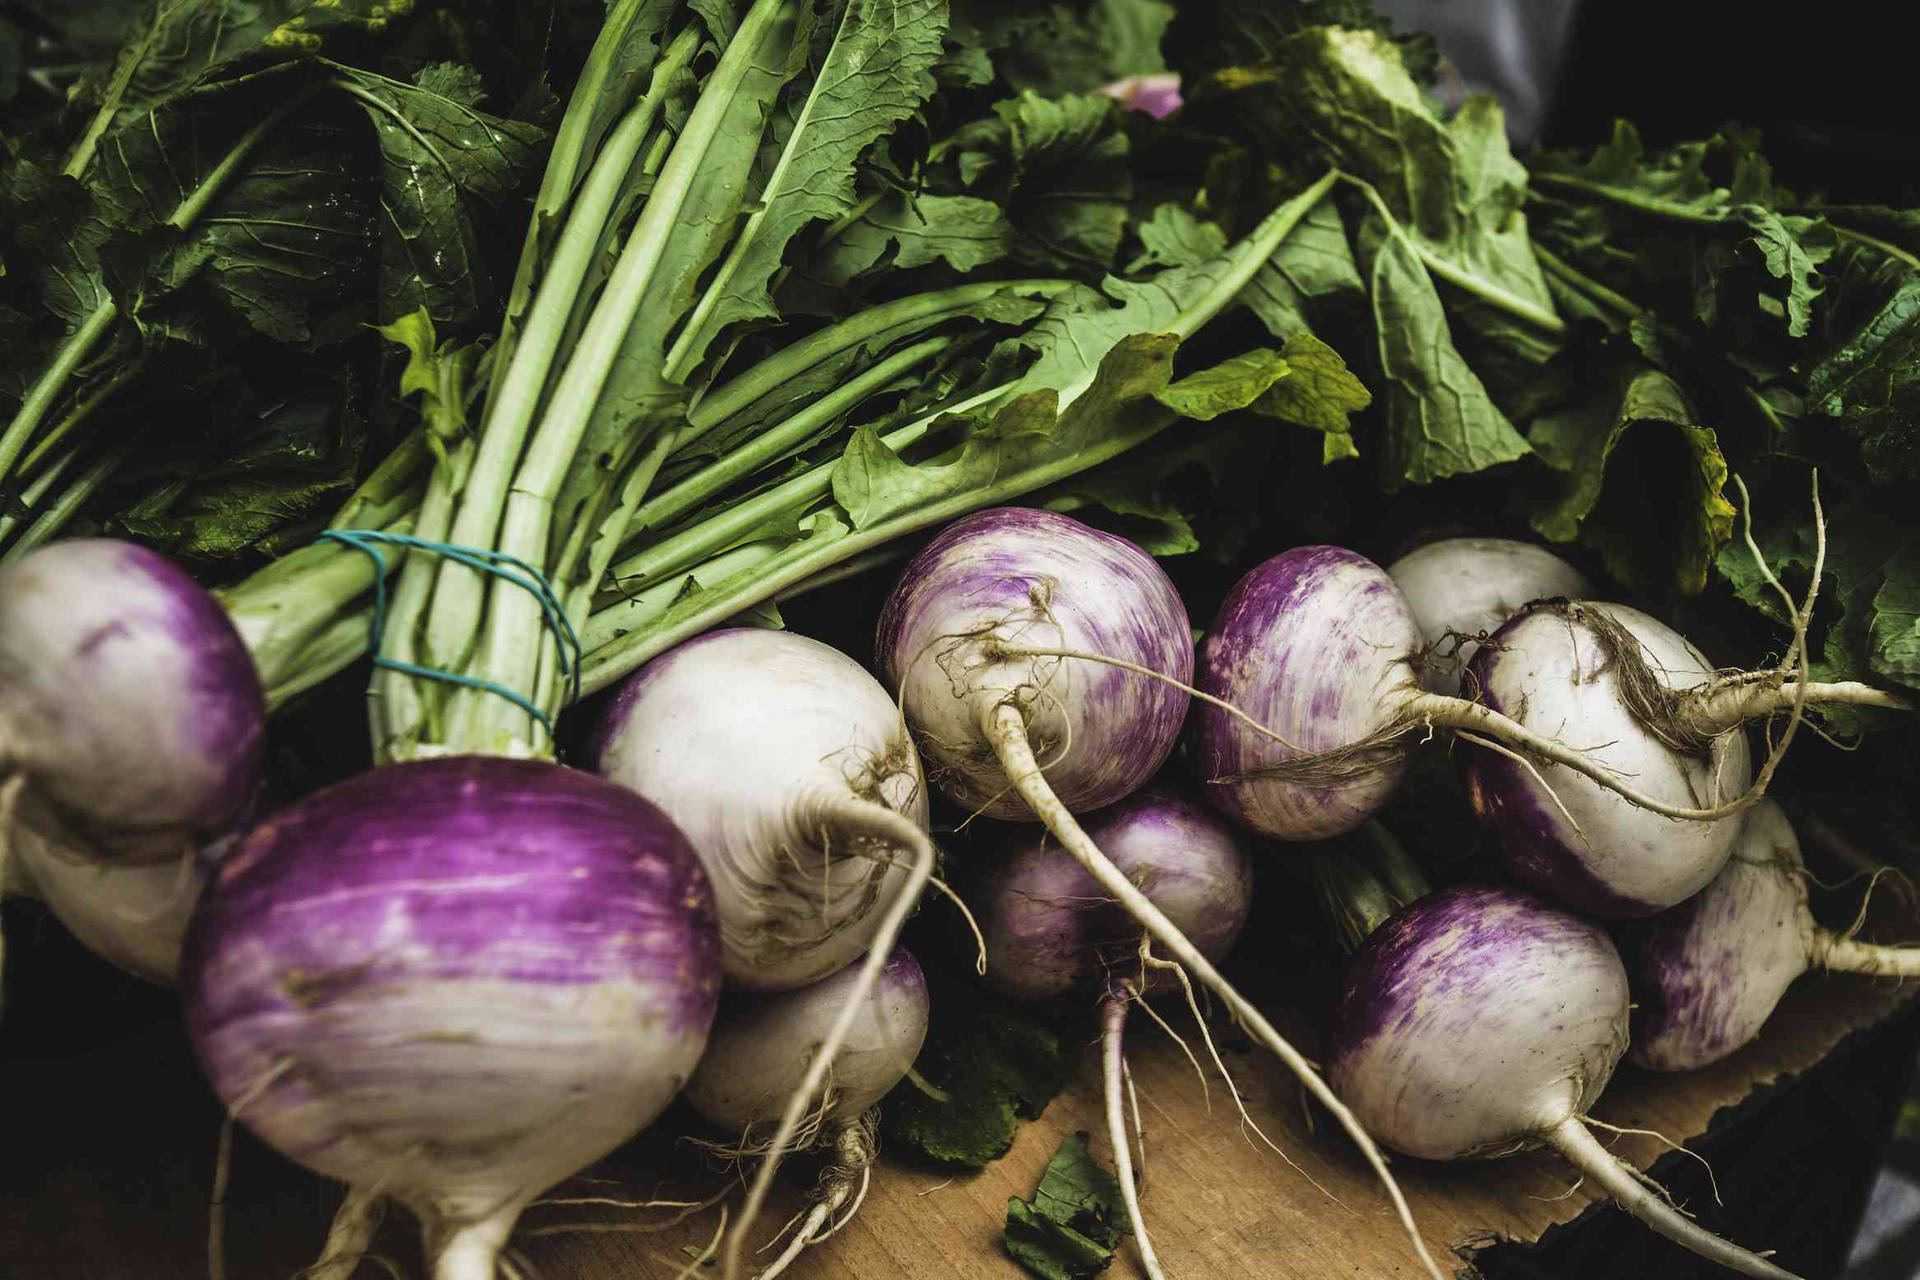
(109, 1139)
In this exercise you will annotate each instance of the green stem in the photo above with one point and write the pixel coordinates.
(31, 496)
(871, 325)
(691, 545)
(1582, 283)
(1461, 279)
(458, 590)
(52, 381)
(611, 49)
(1893, 251)
(78, 415)
(1630, 199)
(808, 557)
(513, 622)
(777, 441)
(66, 506)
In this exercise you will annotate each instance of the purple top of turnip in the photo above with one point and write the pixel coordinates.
(1026, 577)
(1476, 1019)
(459, 979)
(1049, 929)
(125, 693)
(1315, 644)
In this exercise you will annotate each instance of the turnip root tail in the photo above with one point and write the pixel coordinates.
(885, 825)
(470, 1250)
(1113, 1028)
(1577, 1145)
(1836, 951)
(853, 1155)
(350, 1236)
(1005, 727)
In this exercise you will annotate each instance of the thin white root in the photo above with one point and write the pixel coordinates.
(902, 832)
(1022, 651)
(1833, 951)
(1583, 1151)
(687, 1210)
(1713, 1182)
(1233, 1088)
(350, 1236)
(1139, 1129)
(1113, 1029)
(704, 1256)
(1006, 729)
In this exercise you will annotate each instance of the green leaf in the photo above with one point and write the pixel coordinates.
(1069, 1230)
(1173, 237)
(1868, 599)
(1319, 392)
(445, 375)
(1440, 420)
(965, 232)
(1870, 385)
(1059, 167)
(1313, 267)
(1453, 185)
(1232, 384)
(1636, 477)
(874, 71)
(1231, 33)
(187, 44)
(993, 1064)
(443, 164)
(872, 482)
(1744, 263)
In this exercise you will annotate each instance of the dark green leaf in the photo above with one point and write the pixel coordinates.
(443, 164)
(1635, 476)
(1870, 385)
(1232, 384)
(1232, 33)
(995, 1064)
(1440, 420)
(1069, 1229)
(1059, 167)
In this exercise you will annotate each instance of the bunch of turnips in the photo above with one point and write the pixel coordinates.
(807, 289)
(456, 981)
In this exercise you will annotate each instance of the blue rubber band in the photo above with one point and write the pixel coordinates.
(493, 563)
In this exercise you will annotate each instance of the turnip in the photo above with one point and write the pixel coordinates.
(789, 769)
(1315, 700)
(1019, 635)
(1462, 589)
(454, 982)
(1480, 1022)
(1707, 974)
(763, 1043)
(1049, 929)
(1605, 675)
(130, 735)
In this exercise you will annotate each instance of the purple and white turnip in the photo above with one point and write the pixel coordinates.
(454, 982)
(789, 769)
(1050, 930)
(1042, 666)
(1707, 974)
(1462, 589)
(131, 724)
(761, 1046)
(1317, 702)
(1480, 1022)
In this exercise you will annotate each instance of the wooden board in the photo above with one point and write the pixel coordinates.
(108, 1166)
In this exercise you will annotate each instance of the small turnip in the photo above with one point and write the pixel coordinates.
(1480, 1022)
(1707, 974)
(1463, 589)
